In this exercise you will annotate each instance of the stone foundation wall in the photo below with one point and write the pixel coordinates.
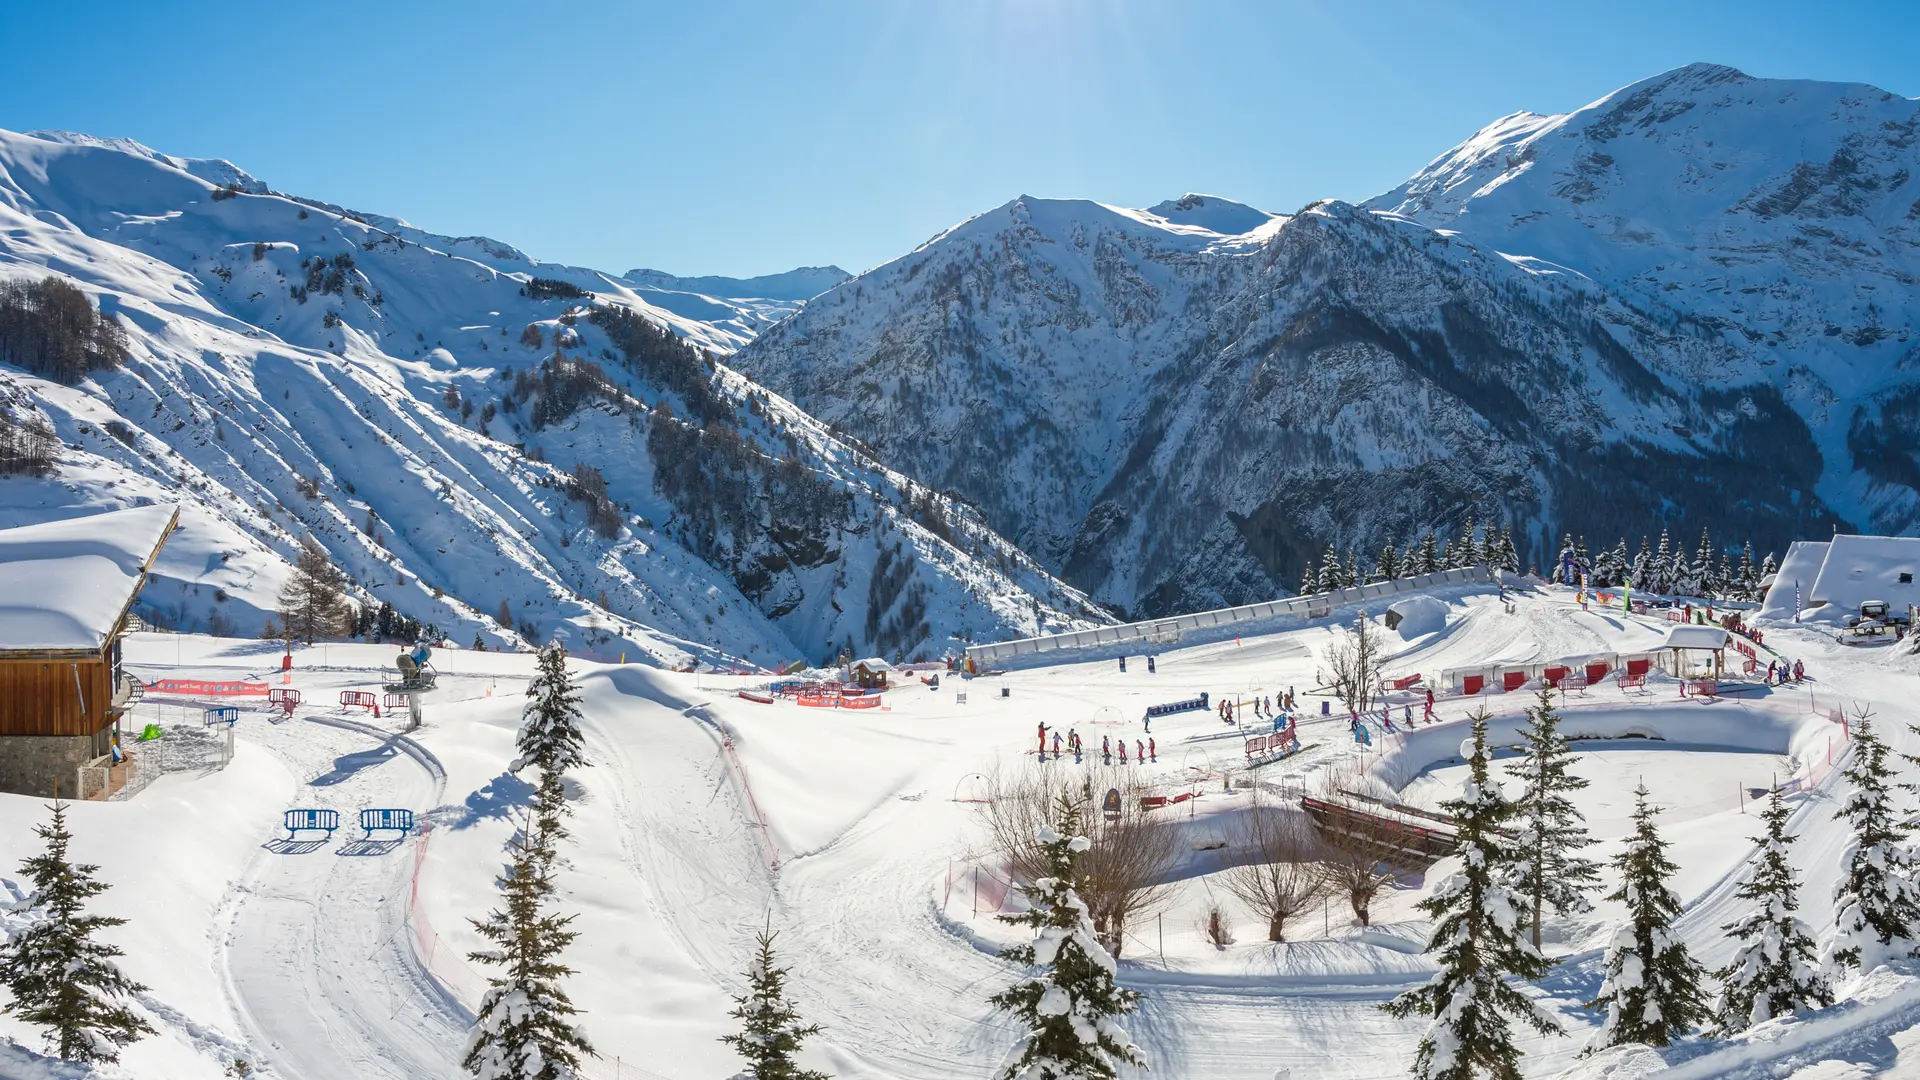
(29, 764)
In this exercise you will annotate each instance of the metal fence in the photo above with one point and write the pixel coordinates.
(1167, 631)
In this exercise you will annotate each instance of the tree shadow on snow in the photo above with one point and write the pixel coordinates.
(346, 766)
(498, 798)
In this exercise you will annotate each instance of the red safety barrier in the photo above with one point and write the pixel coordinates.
(763, 699)
(200, 687)
(287, 700)
(360, 699)
(393, 701)
(1152, 802)
(1403, 682)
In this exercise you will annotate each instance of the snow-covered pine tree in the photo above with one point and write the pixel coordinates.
(1509, 555)
(525, 1029)
(1446, 559)
(1702, 570)
(1642, 575)
(550, 735)
(1466, 548)
(770, 1029)
(1558, 575)
(1774, 971)
(1332, 574)
(1723, 584)
(1309, 580)
(1389, 567)
(1749, 573)
(1877, 904)
(1611, 568)
(1548, 871)
(1652, 992)
(1353, 568)
(1581, 559)
(60, 978)
(1070, 1004)
(1768, 567)
(1665, 571)
(1429, 558)
(1477, 943)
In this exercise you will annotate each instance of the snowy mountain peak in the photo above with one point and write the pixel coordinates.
(216, 171)
(1213, 213)
(800, 284)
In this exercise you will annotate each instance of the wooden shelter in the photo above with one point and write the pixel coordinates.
(1684, 640)
(871, 673)
(66, 592)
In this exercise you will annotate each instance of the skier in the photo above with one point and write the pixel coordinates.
(1386, 717)
(1147, 723)
(1406, 716)
(1153, 752)
(1139, 752)
(1770, 666)
(1056, 746)
(1043, 740)
(1123, 751)
(1799, 671)
(1106, 748)
(1430, 717)
(1073, 744)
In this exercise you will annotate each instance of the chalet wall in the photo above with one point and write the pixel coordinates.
(42, 698)
(30, 764)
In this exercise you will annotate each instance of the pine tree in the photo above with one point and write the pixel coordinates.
(1749, 574)
(1331, 577)
(1352, 575)
(1309, 580)
(1582, 562)
(1664, 570)
(60, 978)
(1448, 559)
(1768, 567)
(550, 736)
(1642, 576)
(1429, 558)
(1068, 1006)
(1723, 585)
(1466, 549)
(1773, 973)
(1558, 575)
(1389, 567)
(1548, 871)
(1652, 991)
(1477, 943)
(1509, 555)
(1611, 570)
(313, 601)
(1877, 904)
(770, 1032)
(524, 1029)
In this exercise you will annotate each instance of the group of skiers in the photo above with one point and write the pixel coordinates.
(1779, 672)
(1272, 708)
(1144, 750)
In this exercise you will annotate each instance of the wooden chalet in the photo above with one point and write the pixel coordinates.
(66, 594)
(871, 673)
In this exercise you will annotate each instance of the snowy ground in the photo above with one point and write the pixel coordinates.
(303, 960)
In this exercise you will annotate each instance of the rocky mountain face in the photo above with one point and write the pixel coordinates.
(506, 449)
(1689, 304)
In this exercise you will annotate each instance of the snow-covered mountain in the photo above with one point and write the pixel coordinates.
(799, 285)
(1692, 303)
(495, 445)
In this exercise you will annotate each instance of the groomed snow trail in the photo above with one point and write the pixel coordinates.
(317, 952)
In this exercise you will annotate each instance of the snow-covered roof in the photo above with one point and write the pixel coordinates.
(1695, 637)
(1861, 568)
(873, 663)
(65, 584)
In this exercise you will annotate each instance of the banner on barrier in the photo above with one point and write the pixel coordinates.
(196, 687)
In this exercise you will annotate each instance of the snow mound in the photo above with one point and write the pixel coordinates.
(1420, 615)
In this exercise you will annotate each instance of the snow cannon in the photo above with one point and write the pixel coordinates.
(416, 670)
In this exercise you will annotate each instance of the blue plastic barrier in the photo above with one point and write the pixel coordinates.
(322, 820)
(1172, 707)
(224, 714)
(374, 820)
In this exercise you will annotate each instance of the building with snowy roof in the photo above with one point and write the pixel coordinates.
(66, 591)
(1844, 572)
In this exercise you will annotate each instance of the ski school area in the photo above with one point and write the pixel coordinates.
(298, 892)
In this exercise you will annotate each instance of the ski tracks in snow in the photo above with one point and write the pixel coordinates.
(316, 953)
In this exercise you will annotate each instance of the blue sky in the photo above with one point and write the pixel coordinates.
(745, 138)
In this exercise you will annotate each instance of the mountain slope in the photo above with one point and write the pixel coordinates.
(423, 407)
(1171, 416)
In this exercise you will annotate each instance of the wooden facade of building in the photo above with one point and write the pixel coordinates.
(61, 700)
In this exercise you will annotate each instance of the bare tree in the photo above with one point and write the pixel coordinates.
(1353, 662)
(1353, 866)
(1131, 854)
(313, 602)
(1280, 882)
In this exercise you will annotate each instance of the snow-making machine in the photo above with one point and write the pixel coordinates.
(415, 670)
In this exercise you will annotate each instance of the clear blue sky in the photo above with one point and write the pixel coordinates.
(746, 138)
